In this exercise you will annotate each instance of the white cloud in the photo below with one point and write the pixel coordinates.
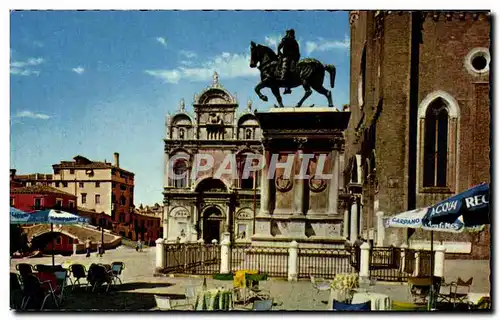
(162, 40)
(30, 114)
(38, 44)
(273, 41)
(78, 70)
(24, 68)
(228, 66)
(188, 54)
(27, 63)
(171, 76)
(24, 72)
(326, 45)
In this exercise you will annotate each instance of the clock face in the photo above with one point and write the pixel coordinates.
(283, 184)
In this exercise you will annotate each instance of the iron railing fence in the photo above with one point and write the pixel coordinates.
(192, 258)
(389, 264)
(324, 263)
(273, 261)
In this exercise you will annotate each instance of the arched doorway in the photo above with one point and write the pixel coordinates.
(212, 221)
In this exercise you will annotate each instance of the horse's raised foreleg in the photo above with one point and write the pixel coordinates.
(276, 91)
(257, 90)
(308, 92)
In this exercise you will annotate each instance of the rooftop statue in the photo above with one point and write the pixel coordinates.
(284, 70)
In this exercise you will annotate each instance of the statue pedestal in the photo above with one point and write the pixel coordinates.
(301, 203)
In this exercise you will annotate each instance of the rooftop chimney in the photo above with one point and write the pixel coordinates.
(117, 159)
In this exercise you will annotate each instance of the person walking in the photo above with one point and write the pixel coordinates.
(100, 249)
(88, 245)
(138, 246)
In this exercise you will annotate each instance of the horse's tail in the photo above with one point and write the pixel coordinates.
(332, 71)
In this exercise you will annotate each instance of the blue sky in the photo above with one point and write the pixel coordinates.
(93, 83)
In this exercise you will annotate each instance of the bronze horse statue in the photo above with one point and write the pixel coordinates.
(308, 72)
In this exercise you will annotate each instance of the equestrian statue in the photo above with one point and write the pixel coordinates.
(285, 70)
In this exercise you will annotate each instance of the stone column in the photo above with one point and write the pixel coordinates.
(354, 220)
(160, 254)
(298, 187)
(228, 217)
(439, 259)
(345, 233)
(224, 254)
(292, 261)
(166, 222)
(265, 189)
(380, 229)
(333, 192)
(416, 271)
(194, 223)
(404, 252)
(364, 264)
(360, 215)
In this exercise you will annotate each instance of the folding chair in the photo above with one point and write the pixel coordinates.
(116, 269)
(34, 290)
(262, 305)
(444, 294)
(15, 290)
(460, 290)
(79, 272)
(62, 281)
(419, 288)
(24, 269)
(98, 275)
(320, 285)
(252, 285)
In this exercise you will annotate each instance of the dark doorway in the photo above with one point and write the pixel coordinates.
(212, 219)
(211, 230)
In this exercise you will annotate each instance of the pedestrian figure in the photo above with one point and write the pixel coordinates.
(100, 249)
(88, 244)
(139, 245)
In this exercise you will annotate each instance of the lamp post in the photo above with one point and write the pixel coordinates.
(102, 233)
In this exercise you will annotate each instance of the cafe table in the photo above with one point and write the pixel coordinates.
(379, 301)
(214, 299)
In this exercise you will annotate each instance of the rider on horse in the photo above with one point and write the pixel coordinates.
(289, 57)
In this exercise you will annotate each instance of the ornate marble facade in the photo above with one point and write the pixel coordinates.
(204, 207)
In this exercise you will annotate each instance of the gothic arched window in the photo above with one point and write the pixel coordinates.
(354, 171)
(435, 145)
(438, 139)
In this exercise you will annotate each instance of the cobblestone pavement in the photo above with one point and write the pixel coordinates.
(139, 285)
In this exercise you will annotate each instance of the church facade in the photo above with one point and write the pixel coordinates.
(420, 119)
(204, 205)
